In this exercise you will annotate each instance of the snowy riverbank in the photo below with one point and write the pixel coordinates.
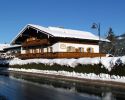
(92, 76)
(107, 62)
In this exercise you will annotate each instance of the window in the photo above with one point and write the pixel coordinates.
(37, 50)
(31, 39)
(90, 50)
(51, 49)
(71, 49)
(81, 49)
(40, 50)
(30, 50)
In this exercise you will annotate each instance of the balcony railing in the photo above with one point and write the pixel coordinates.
(60, 55)
(35, 43)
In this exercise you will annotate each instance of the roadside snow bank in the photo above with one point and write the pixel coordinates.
(107, 62)
(92, 76)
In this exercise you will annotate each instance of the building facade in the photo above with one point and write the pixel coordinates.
(53, 42)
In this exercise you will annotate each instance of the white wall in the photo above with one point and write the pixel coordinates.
(23, 51)
(56, 47)
(62, 47)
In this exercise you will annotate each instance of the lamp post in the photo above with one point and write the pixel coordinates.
(97, 26)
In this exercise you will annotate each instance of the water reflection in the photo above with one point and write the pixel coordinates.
(3, 71)
(107, 96)
(20, 87)
(94, 91)
(2, 97)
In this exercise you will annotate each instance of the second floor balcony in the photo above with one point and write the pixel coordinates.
(35, 43)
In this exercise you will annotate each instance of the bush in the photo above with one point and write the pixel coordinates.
(118, 70)
(80, 68)
(97, 69)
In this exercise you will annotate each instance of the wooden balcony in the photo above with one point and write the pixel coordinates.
(35, 43)
(60, 55)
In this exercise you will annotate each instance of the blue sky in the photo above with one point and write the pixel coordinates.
(74, 14)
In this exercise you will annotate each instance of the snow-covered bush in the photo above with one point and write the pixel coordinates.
(108, 65)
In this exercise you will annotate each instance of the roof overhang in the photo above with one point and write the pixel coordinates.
(24, 29)
(50, 33)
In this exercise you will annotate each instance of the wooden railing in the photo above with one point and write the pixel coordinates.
(60, 55)
(35, 42)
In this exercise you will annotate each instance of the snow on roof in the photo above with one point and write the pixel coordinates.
(61, 32)
(12, 46)
(2, 46)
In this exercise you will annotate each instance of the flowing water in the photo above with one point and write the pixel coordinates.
(20, 87)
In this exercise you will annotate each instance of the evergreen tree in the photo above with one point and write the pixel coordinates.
(111, 35)
(116, 46)
(109, 47)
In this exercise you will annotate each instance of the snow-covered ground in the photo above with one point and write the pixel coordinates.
(107, 62)
(92, 76)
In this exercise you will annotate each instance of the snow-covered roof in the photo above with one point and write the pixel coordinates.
(12, 46)
(62, 32)
(2, 46)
